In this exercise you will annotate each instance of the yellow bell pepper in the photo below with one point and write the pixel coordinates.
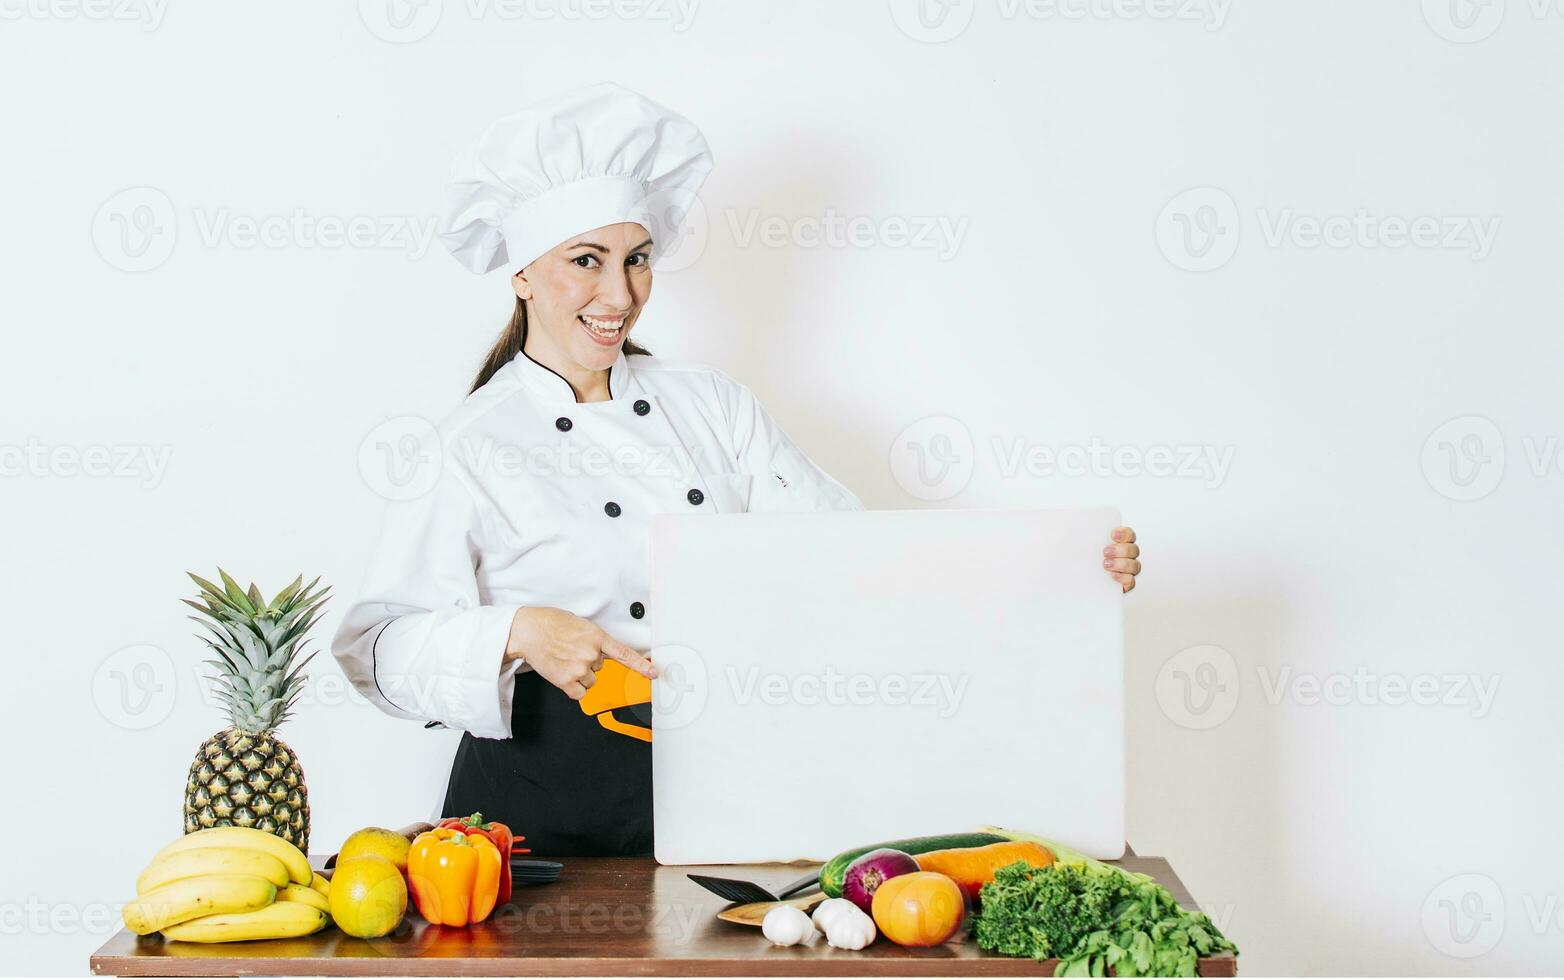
(454, 877)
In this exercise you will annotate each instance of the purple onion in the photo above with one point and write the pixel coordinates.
(872, 870)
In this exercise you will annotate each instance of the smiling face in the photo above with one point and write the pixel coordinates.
(583, 297)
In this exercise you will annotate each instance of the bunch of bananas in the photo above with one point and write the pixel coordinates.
(226, 884)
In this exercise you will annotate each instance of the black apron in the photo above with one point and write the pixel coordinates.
(571, 785)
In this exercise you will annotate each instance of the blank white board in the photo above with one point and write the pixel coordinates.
(834, 679)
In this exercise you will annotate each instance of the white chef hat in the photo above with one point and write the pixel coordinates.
(596, 156)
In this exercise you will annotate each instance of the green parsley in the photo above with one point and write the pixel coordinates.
(1094, 918)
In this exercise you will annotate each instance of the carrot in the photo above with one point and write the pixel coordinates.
(974, 867)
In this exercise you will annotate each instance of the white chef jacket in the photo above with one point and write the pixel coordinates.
(544, 501)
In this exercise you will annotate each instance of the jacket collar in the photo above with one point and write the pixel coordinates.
(550, 387)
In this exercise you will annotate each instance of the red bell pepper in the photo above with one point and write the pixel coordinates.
(502, 839)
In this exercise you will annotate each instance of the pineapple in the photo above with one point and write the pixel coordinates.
(245, 776)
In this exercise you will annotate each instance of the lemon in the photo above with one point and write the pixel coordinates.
(377, 840)
(368, 896)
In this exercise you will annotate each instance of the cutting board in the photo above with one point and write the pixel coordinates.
(833, 679)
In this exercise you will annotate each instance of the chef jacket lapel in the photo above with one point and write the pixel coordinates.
(620, 461)
(634, 429)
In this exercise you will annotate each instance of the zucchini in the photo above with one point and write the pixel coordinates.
(836, 869)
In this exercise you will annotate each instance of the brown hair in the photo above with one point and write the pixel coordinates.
(510, 343)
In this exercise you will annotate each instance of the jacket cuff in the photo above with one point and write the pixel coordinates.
(478, 699)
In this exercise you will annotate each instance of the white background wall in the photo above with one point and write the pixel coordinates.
(1326, 833)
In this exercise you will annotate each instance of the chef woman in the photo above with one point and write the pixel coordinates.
(510, 600)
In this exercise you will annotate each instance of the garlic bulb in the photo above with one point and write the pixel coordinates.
(849, 928)
(829, 910)
(787, 926)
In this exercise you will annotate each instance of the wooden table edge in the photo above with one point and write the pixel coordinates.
(1224, 965)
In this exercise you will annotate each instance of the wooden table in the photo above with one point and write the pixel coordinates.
(604, 917)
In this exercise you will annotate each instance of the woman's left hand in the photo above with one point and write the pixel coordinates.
(1120, 557)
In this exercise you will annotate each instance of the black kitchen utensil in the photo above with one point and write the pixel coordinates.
(734, 890)
(526, 871)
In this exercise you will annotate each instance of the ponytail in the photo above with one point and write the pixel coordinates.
(510, 343)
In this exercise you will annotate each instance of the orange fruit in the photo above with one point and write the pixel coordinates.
(368, 896)
(923, 908)
(377, 841)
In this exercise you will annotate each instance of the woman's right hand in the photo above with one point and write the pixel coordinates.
(566, 649)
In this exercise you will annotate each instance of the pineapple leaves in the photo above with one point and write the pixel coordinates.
(291, 619)
(258, 645)
(206, 609)
(309, 588)
(295, 676)
(206, 586)
(217, 604)
(281, 601)
(269, 709)
(235, 594)
(298, 630)
(226, 667)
